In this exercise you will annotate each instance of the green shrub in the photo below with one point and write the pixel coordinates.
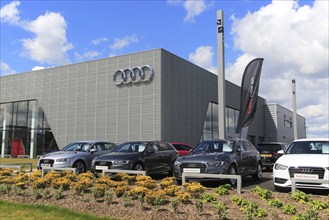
(289, 209)
(263, 193)
(59, 193)
(275, 203)
(208, 197)
(222, 190)
(221, 210)
(199, 205)
(310, 214)
(108, 197)
(300, 196)
(239, 201)
(253, 210)
(318, 205)
(175, 203)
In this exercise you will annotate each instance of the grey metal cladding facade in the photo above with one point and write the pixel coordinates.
(81, 102)
(186, 92)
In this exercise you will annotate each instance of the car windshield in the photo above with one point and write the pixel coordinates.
(131, 147)
(269, 147)
(309, 147)
(213, 147)
(77, 147)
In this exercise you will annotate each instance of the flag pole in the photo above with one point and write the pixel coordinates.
(221, 75)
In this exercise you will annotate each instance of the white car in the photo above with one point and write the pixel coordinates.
(306, 159)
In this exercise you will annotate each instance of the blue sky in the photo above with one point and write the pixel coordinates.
(291, 36)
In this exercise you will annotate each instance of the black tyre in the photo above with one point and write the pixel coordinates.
(232, 171)
(138, 166)
(259, 173)
(80, 165)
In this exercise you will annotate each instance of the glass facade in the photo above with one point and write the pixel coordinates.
(24, 130)
(210, 128)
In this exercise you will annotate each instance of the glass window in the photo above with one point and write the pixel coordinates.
(109, 146)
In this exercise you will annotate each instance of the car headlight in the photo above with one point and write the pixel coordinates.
(278, 166)
(215, 163)
(177, 163)
(62, 160)
(120, 162)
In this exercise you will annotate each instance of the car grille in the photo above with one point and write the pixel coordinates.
(201, 166)
(47, 161)
(307, 170)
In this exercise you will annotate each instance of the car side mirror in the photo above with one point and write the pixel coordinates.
(280, 152)
(93, 151)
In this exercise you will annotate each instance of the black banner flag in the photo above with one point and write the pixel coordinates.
(249, 93)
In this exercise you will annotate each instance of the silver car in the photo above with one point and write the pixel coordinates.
(77, 155)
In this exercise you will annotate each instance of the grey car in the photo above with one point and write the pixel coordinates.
(238, 157)
(151, 156)
(77, 155)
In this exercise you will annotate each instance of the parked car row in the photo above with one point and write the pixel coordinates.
(303, 159)
(217, 156)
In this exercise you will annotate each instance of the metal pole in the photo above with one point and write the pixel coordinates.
(294, 119)
(221, 74)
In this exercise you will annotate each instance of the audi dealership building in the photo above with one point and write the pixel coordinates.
(149, 95)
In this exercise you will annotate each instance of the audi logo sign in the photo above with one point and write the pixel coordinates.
(136, 75)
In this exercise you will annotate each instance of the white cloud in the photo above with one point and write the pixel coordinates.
(99, 40)
(203, 56)
(89, 55)
(174, 2)
(194, 8)
(5, 69)
(38, 68)
(49, 44)
(293, 41)
(120, 43)
(9, 13)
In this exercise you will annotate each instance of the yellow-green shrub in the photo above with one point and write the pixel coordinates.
(143, 178)
(82, 185)
(61, 182)
(172, 190)
(137, 191)
(5, 172)
(195, 189)
(52, 175)
(129, 179)
(8, 181)
(150, 184)
(155, 197)
(35, 175)
(21, 185)
(121, 176)
(184, 197)
(41, 183)
(88, 175)
(168, 181)
(21, 178)
(120, 190)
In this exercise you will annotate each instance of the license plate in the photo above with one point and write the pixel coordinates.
(266, 155)
(191, 170)
(101, 167)
(45, 165)
(305, 176)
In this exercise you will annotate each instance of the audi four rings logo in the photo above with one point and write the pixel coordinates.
(144, 74)
(306, 170)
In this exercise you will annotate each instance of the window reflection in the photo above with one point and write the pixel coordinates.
(24, 129)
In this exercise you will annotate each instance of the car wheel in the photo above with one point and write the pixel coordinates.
(81, 167)
(138, 166)
(232, 171)
(259, 173)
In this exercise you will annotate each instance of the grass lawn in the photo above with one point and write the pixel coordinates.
(19, 160)
(25, 211)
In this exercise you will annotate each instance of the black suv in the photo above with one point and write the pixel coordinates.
(269, 152)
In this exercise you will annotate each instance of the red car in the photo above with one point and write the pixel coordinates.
(182, 148)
